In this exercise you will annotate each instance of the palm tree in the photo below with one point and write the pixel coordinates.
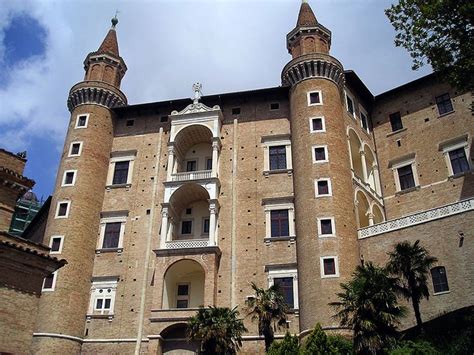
(411, 263)
(368, 305)
(218, 329)
(269, 308)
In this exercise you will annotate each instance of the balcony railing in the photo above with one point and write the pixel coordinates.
(191, 175)
(187, 243)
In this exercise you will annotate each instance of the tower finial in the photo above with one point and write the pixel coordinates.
(115, 19)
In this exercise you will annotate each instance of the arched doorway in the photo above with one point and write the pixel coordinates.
(175, 342)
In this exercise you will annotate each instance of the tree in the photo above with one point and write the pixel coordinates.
(411, 263)
(440, 33)
(288, 346)
(319, 343)
(368, 305)
(269, 308)
(218, 329)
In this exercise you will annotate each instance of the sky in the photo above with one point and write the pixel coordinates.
(227, 45)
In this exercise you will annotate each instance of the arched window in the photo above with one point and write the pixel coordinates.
(440, 280)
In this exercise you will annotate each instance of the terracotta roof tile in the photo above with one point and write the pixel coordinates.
(306, 16)
(110, 44)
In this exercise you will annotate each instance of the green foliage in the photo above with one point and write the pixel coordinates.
(269, 309)
(368, 305)
(440, 33)
(318, 343)
(414, 348)
(218, 329)
(288, 346)
(411, 263)
(340, 345)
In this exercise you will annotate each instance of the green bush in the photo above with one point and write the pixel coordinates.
(318, 343)
(340, 345)
(288, 346)
(414, 348)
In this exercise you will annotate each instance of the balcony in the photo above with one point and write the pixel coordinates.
(191, 175)
(187, 243)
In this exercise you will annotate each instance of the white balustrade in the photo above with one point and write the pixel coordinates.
(187, 243)
(191, 175)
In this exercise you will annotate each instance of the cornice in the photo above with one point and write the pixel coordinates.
(95, 92)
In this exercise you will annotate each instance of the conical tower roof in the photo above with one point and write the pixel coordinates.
(306, 16)
(110, 44)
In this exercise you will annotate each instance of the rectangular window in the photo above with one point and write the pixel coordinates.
(274, 106)
(279, 223)
(120, 173)
(130, 123)
(102, 296)
(56, 244)
(69, 178)
(81, 121)
(315, 98)
(364, 121)
(320, 154)
(49, 282)
(317, 124)
(396, 121)
(191, 165)
(405, 176)
(182, 297)
(75, 149)
(62, 211)
(458, 160)
(326, 227)
(186, 227)
(323, 187)
(205, 226)
(277, 157)
(350, 105)
(209, 164)
(285, 286)
(236, 111)
(112, 235)
(189, 210)
(440, 280)
(329, 266)
(444, 104)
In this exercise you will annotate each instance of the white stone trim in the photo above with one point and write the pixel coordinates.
(95, 294)
(56, 215)
(417, 218)
(336, 266)
(103, 221)
(268, 221)
(63, 182)
(400, 164)
(323, 121)
(348, 94)
(268, 142)
(316, 192)
(55, 277)
(60, 244)
(76, 126)
(70, 149)
(279, 273)
(320, 103)
(326, 153)
(333, 227)
(363, 111)
(447, 148)
(110, 175)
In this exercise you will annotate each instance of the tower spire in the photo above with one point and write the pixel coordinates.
(306, 16)
(110, 44)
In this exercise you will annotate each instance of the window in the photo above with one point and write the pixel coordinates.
(320, 154)
(329, 266)
(121, 173)
(182, 297)
(103, 290)
(350, 105)
(69, 178)
(112, 230)
(163, 119)
(130, 123)
(396, 121)
(405, 176)
(279, 223)
(444, 104)
(205, 226)
(62, 210)
(364, 121)
(285, 286)
(277, 157)
(315, 98)
(323, 187)
(440, 280)
(49, 282)
(208, 163)
(189, 210)
(187, 227)
(82, 121)
(317, 124)
(75, 149)
(236, 111)
(458, 160)
(56, 244)
(326, 227)
(274, 106)
(191, 165)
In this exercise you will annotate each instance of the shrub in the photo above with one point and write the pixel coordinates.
(288, 346)
(318, 343)
(414, 348)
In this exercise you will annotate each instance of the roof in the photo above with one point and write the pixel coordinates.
(306, 16)
(16, 178)
(110, 44)
(17, 156)
(409, 85)
(355, 82)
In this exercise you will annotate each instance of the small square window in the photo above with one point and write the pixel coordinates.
(183, 290)
(396, 121)
(323, 187)
(49, 282)
(317, 124)
(75, 149)
(81, 121)
(62, 210)
(112, 235)
(236, 111)
(56, 245)
(69, 178)
(320, 154)
(130, 123)
(191, 165)
(459, 162)
(121, 172)
(189, 210)
(186, 227)
(163, 119)
(277, 157)
(406, 178)
(444, 104)
(329, 266)
(326, 227)
(274, 106)
(314, 98)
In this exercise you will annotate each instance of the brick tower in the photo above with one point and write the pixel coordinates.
(326, 230)
(78, 197)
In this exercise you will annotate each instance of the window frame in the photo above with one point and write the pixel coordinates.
(363, 112)
(308, 98)
(76, 126)
(279, 204)
(68, 208)
(274, 272)
(450, 101)
(102, 283)
(316, 190)
(401, 164)
(323, 121)
(278, 155)
(280, 223)
(186, 298)
(121, 156)
(191, 233)
(121, 218)
(391, 124)
(274, 103)
(70, 154)
(53, 286)
(348, 95)
(446, 279)
(326, 153)
(333, 227)
(203, 221)
(272, 141)
(63, 182)
(60, 250)
(336, 266)
(447, 148)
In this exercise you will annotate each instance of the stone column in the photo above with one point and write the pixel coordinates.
(378, 187)
(164, 226)
(371, 218)
(213, 207)
(215, 157)
(171, 160)
(364, 166)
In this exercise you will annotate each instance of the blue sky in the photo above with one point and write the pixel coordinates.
(228, 45)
